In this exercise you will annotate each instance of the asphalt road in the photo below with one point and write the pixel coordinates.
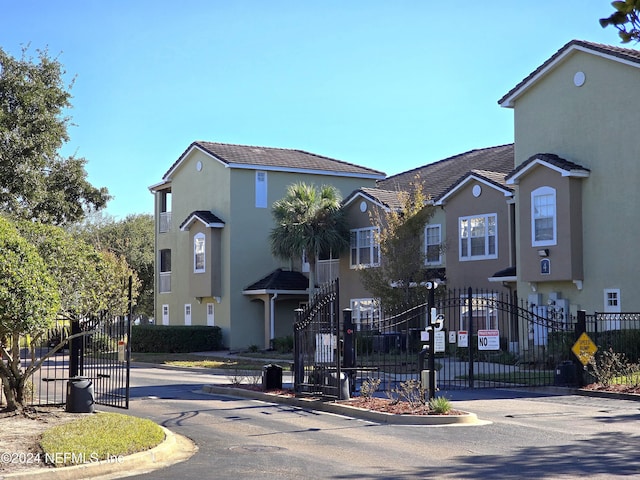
(527, 435)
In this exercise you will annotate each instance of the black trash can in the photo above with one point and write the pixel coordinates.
(80, 396)
(565, 374)
(271, 377)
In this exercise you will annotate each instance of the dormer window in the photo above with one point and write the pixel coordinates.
(543, 217)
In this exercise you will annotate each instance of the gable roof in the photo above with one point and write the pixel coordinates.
(387, 199)
(549, 160)
(275, 159)
(628, 56)
(279, 281)
(437, 177)
(494, 180)
(205, 216)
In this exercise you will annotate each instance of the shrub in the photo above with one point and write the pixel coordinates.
(283, 344)
(440, 405)
(175, 338)
(369, 387)
(609, 365)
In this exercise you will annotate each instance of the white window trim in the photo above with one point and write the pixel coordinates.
(196, 238)
(261, 189)
(165, 314)
(484, 311)
(486, 256)
(426, 245)
(187, 314)
(211, 321)
(535, 193)
(375, 245)
(612, 308)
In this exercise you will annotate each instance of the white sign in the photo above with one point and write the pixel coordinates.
(463, 339)
(439, 340)
(488, 339)
(439, 345)
(452, 337)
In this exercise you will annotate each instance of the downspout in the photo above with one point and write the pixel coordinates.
(272, 316)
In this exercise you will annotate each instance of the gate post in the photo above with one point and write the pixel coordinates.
(432, 344)
(75, 350)
(470, 314)
(349, 351)
(298, 355)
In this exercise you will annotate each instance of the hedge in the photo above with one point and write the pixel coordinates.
(175, 338)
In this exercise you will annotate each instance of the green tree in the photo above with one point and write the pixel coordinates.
(626, 19)
(132, 239)
(399, 280)
(90, 281)
(29, 302)
(309, 220)
(36, 183)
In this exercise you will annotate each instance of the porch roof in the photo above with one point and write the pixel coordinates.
(279, 281)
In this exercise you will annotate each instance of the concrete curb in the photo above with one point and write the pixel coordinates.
(174, 449)
(467, 419)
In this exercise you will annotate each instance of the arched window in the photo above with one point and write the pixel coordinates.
(198, 253)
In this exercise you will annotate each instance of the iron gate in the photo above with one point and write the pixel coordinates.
(316, 347)
(488, 339)
(101, 354)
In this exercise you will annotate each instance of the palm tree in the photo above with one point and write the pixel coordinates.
(309, 220)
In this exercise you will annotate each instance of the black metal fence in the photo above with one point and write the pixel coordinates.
(481, 339)
(100, 354)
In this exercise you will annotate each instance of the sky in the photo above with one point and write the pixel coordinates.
(391, 85)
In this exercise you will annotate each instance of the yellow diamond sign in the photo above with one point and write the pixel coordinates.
(584, 349)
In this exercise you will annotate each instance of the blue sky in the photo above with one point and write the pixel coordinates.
(387, 84)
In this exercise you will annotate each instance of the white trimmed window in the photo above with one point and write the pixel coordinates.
(365, 250)
(612, 300)
(187, 314)
(483, 310)
(432, 242)
(165, 314)
(210, 315)
(261, 189)
(365, 313)
(543, 217)
(478, 237)
(199, 253)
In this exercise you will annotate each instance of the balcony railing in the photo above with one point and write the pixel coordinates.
(327, 271)
(165, 222)
(165, 282)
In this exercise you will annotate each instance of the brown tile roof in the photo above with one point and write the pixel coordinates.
(497, 179)
(625, 54)
(277, 159)
(437, 177)
(205, 216)
(551, 159)
(388, 198)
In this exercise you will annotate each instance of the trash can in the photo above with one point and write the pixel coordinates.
(80, 398)
(565, 374)
(271, 377)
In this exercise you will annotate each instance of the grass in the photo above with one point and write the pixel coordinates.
(101, 436)
(201, 361)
